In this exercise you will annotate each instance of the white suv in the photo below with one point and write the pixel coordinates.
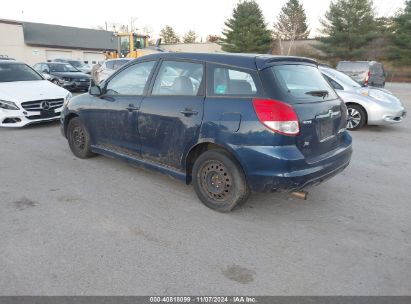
(108, 67)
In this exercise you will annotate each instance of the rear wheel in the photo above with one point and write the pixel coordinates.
(356, 117)
(219, 181)
(79, 139)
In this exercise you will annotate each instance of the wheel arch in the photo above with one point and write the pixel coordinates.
(67, 120)
(361, 106)
(202, 147)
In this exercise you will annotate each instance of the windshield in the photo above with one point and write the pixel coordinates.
(58, 67)
(303, 82)
(342, 78)
(10, 72)
(77, 64)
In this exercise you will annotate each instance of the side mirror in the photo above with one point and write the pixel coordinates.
(94, 89)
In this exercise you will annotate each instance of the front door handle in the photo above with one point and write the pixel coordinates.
(132, 108)
(188, 112)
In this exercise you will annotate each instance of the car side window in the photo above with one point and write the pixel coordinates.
(110, 65)
(132, 80)
(118, 64)
(333, 83)
(45, 67)
(228, 81)
(179, 78)
(37, 67)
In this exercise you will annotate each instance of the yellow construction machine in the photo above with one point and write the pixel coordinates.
(132, 45)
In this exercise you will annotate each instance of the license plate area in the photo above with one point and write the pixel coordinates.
(325, 129)
(48, 113)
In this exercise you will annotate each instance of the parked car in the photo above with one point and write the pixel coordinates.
(64, 75)
(366, 73)
(108, 67)
(78, 64)
(26, 97)
(5, 57)
(372, 106)
(229, 124)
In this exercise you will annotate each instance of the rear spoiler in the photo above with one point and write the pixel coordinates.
(264, 61)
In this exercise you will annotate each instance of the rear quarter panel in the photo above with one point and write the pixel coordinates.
(232, 123)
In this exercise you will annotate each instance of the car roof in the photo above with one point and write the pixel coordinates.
(328, 70)
(360, 61)
(115, 59)
(10, 61)
(52, 62)
(248, 61)
(67, 59)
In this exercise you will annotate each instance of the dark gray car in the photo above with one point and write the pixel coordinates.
(78, 64)
(64, 75)
(366, 73)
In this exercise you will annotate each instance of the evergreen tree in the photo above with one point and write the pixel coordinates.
(190, 37)
(292, 22)
(246, 31)
(348, 26)
(400, 51)
(169, 35)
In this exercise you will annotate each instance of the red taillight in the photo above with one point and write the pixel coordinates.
(367, 78)
(277, 116)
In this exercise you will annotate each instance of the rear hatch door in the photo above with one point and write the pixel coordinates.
(322, 115)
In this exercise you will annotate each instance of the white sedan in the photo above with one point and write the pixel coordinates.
(26, 97)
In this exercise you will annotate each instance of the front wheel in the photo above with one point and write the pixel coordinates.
(356, 117)
(79, 139)
(219, 181)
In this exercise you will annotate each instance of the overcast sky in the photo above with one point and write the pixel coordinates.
(203, 16)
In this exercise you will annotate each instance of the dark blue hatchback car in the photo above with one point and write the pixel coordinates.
(228, 123)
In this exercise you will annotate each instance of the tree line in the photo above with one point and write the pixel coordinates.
(348, 29)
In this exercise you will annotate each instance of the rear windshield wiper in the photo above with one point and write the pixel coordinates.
(319, 93)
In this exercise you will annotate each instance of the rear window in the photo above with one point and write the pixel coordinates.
(303, 82)
(376, 68)
(119, 63)
(357, 67)
(110, 65)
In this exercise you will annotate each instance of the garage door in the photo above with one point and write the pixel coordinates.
(93, 58)
(51, 55)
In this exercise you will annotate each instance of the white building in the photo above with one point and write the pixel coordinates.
(207, 47)
(37, 42)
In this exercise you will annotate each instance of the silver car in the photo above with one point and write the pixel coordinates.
(366, 105)
(109, 66)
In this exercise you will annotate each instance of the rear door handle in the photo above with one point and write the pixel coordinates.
(188, 112)
(132, 108)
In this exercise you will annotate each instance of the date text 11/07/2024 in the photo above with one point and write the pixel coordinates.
(204, 299)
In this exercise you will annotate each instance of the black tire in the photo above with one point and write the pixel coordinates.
(79, 139)
(219, 181)
(356, 117)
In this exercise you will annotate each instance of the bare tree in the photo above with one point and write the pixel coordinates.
(291, 25)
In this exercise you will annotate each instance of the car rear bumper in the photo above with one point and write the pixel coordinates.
(286, 168)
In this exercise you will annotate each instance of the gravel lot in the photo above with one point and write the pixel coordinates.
(102, 227)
